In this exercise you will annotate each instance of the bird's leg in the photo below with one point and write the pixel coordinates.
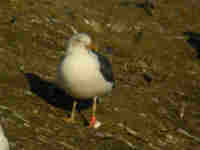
(73, 110)
(72, 118)
(94, 107)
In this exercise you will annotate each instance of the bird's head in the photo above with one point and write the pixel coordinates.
(81, 40)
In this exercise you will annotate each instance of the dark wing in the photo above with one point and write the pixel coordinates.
(105, 67)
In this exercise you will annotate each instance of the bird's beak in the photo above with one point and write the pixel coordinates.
(92, 47)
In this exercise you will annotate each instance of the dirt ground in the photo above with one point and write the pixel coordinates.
(155, 105)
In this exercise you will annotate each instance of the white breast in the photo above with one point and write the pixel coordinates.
(80, 75)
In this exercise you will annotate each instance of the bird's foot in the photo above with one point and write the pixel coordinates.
(92, 122)
(52, 108)
(69, 120)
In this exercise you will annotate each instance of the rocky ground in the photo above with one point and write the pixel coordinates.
(155, 105)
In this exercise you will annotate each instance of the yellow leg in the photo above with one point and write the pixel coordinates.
(94, 107)
(73, 110)
(72, 118)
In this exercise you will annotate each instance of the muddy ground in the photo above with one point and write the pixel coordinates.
(155, 105)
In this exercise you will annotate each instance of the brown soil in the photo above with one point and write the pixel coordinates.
(157, 73)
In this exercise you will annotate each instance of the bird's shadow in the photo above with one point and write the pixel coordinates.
(194, 41)
(54, 95)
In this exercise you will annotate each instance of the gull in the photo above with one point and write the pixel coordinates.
(84, 73)
(3, 140)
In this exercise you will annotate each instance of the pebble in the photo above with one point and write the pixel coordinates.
(97, 124)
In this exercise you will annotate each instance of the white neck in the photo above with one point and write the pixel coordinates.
(76, 49)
